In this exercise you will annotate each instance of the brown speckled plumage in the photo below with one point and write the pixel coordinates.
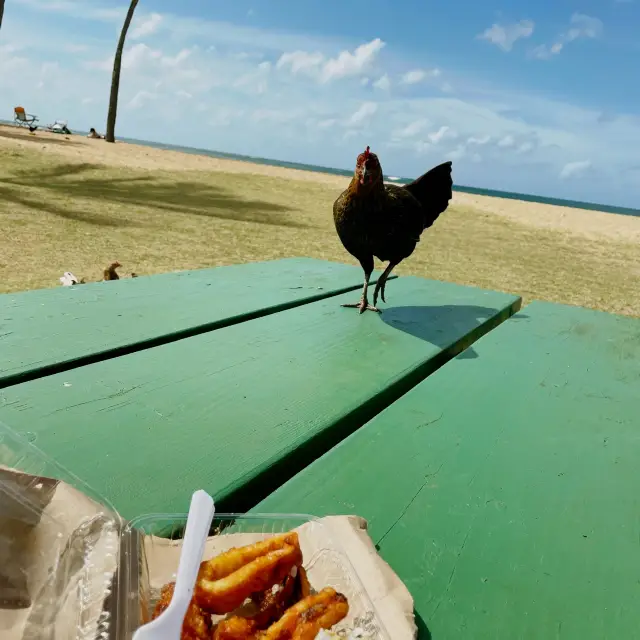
(386, 221)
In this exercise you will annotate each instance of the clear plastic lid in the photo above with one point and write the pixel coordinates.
(59, 548)
(151, 545)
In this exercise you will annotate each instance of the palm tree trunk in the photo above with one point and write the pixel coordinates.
(110, 135)
(1, 12)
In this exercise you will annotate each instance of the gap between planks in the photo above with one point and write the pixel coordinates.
(190, 332)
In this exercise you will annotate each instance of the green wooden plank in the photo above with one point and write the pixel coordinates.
(240, 410)
(504, 488)
(51, 330)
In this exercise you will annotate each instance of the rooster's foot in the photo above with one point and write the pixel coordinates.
(379, 291)
(363, 306)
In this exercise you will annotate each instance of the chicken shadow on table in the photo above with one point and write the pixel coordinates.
(442, 325)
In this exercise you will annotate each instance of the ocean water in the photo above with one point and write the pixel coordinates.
(575, 204)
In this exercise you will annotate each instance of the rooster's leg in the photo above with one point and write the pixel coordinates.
(382, 281)
(364, 305)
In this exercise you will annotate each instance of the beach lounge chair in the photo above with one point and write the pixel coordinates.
(59, 126)
(24, 119)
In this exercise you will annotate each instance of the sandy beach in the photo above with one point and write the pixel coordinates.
(601, 245)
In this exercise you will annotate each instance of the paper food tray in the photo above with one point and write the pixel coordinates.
(152, 561)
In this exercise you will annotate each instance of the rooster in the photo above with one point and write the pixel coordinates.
(386, 221)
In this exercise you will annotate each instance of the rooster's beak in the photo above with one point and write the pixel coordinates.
(363, 175)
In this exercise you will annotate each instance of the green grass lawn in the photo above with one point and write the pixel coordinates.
(58, 215)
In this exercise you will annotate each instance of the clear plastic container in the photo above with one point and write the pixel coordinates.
(59, 549)
(71, 569)
(147, 538)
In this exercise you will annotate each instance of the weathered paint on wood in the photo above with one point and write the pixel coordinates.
(240, 410)
(51, 330)
(504, 489)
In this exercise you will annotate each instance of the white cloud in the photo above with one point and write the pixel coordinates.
(136, 56)
(458, 153)
(418, 75)
(351, 64)
(443, 132)
(145, 26)
(507, 142)
(413, 77)
(505, 36)
(412, 129)
(345, 64)
(174, 61)
(574, 169)
(364, 113)
(544, 52)
(300, 61)
(581, 26)
(479, 140)
(383, 83)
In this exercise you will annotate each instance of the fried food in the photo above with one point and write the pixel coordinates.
(303, 583)
(197, 624)
(302, 621)
(270, 577)
(271, 604)
(235, 628)
(226, 581)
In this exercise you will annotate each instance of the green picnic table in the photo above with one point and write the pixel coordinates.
(239, 408)
(504, 489)
(51, 330)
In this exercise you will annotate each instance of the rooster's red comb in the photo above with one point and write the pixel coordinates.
(366, 152)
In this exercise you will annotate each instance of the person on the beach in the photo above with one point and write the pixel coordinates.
(94, 134)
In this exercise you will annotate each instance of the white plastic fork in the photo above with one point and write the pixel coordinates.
(168, 625)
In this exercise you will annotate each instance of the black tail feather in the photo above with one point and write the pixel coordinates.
(434, 191)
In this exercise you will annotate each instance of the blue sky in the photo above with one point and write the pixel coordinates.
(537, 98)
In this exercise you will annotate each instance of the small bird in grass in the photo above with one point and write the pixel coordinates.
(386, 221)
(110, 272)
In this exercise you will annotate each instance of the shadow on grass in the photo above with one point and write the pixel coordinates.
(179, 197)
(12, 195)
(62, 140)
